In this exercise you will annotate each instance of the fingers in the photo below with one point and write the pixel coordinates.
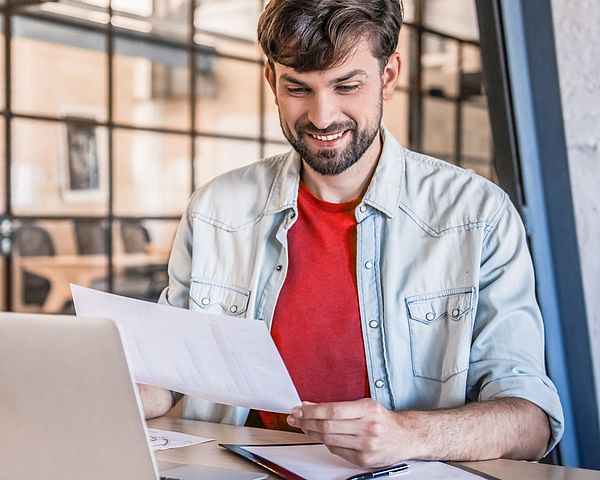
(335, 410)
(340, 427)
(335, 440)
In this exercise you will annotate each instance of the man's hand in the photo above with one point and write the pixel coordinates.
(367, 434)
(363, 432)
(156, 401)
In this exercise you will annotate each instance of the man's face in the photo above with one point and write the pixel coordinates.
(331, 117)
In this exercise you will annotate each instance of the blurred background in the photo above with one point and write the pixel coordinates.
(113, 113)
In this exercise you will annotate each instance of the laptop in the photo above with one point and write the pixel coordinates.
(69, 409)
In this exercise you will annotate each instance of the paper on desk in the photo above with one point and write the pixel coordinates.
(315, 462)
(165, 439)
(214, 357)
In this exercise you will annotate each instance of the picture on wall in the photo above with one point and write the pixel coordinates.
(83, 162)
(82, 158)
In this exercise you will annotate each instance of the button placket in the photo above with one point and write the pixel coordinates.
(371, 309)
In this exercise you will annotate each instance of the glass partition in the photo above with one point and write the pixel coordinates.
(141, 253)
(151, 85)
(116, 120)
(152, 173)
(216, 156)
(227, 95)
(62, 172)
(76, 57)
(48, 255)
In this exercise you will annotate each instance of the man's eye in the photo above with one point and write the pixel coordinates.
(346, 88)
(297, 90)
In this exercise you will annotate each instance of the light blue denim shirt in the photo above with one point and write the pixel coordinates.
(445, 280)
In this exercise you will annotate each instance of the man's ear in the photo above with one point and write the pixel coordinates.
(270, 76)
(391, 75)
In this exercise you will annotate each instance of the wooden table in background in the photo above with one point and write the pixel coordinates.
(61, 270)
(211, 454)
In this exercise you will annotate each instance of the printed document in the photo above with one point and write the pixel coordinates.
(218, 358)
(315, 462)
(165, 439)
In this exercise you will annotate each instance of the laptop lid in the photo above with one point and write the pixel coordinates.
(68, 407)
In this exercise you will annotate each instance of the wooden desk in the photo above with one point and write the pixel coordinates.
(211, 454)
(61, 270)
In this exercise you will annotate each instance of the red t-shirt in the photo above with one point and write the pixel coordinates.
(316, 324)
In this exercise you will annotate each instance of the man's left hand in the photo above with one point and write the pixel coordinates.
(362, 431)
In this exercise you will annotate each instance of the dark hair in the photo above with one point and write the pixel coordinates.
(309, 35)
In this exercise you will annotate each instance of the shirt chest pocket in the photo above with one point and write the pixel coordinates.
(440, 326)
(217, 298)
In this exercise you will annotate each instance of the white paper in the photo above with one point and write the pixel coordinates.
(165, 439)
(214, 357)
(315, 462)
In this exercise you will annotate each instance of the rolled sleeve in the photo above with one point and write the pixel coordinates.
(507, 351)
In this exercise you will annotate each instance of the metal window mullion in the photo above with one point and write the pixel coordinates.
(110, 119)
(261, 106)
(415, 81)
(458, 111)
(192, 96)
(8, 149)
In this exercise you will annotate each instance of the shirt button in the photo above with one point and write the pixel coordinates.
(363, 208)
(373, 324)
(279, 268)
(369, 265)
(233, 309)
(205, 301)
(455, 312)
(430, 316)
(379, 383)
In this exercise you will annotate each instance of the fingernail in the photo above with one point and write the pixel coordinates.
(297, 412)
(291, 420)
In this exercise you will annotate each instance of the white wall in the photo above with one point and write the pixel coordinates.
(578, 42)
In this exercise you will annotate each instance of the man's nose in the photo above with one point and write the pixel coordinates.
(323, 111)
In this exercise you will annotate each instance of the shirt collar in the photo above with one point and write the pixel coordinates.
(387, 183)
(383, 192)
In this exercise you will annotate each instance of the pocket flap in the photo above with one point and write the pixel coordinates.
(430, 307)
(231, 300)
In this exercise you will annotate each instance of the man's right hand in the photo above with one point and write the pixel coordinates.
(155, 400)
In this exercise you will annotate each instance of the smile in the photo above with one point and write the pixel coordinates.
(328, 138)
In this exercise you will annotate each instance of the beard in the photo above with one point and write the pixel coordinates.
(332, 161)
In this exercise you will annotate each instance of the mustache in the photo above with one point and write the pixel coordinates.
(333, 128)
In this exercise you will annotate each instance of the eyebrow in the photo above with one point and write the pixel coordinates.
(354, 73)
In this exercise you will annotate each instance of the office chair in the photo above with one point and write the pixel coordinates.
(32, 240)
(91, 237)
(135, 239)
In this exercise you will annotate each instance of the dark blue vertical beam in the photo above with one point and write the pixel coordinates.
(550, 219)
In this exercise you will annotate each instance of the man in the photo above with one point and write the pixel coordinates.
(398, 288)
